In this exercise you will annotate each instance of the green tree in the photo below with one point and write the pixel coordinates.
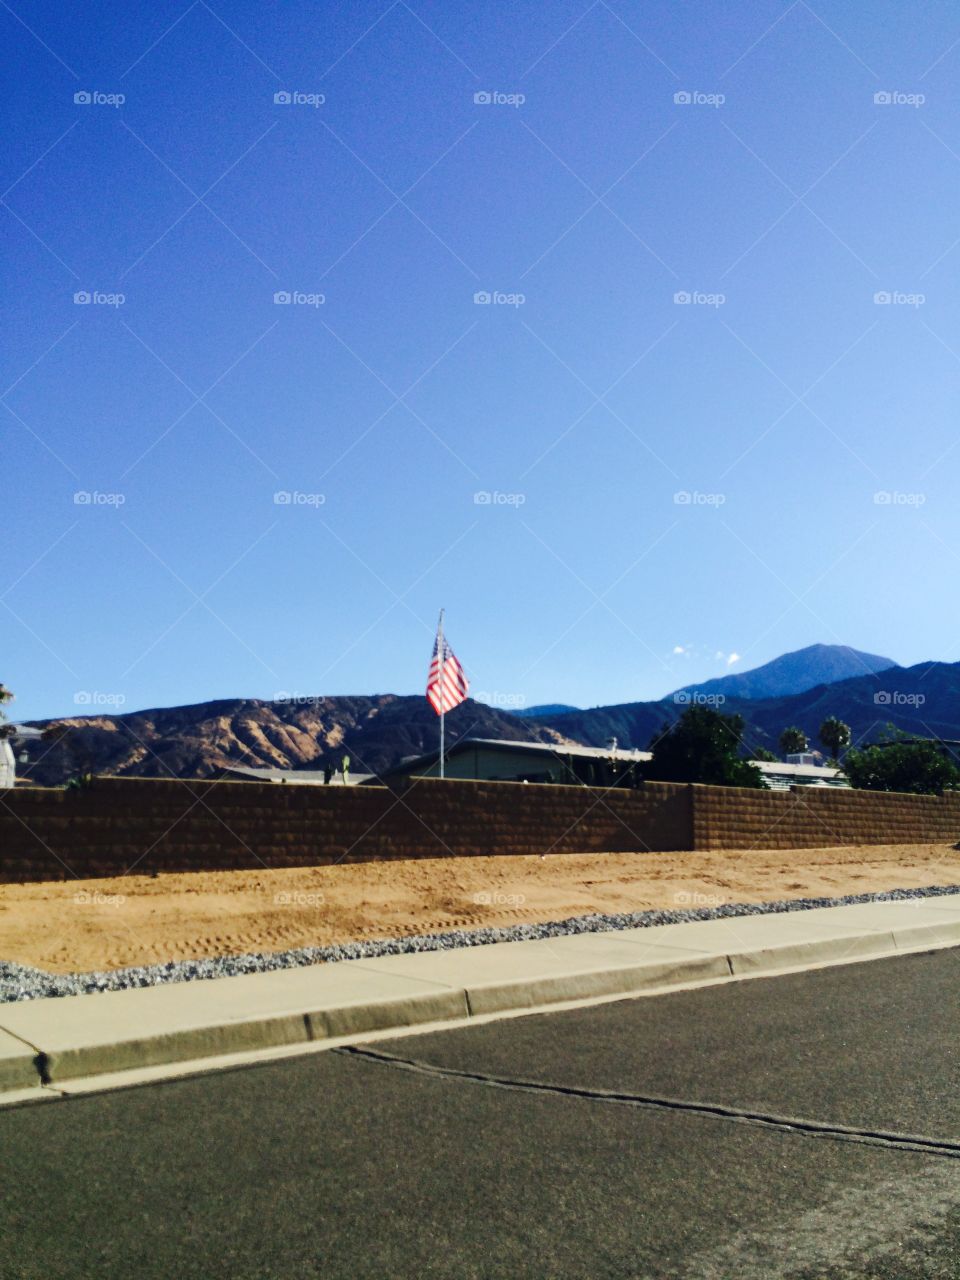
(764, 753)
(702, 746)
(918, 767)
(792, 741)
(835, 736)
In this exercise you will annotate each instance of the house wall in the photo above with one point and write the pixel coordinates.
(477, 762)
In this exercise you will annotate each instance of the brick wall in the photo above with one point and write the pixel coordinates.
(805, 817)
(144, 825)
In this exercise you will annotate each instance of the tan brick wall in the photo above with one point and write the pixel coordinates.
(805, 817)
(144, 825)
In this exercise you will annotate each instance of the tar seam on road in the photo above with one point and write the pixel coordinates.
(711, 1110)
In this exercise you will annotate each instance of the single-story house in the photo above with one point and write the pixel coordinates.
(495, 759)
(12, 738)
(781, 777)
(302, 777)
(500, 760)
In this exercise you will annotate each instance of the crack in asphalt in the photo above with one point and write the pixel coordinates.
(944, 1148)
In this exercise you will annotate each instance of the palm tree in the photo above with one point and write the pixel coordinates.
(793, 741)
(835, 736)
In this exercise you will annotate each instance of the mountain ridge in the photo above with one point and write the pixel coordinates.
(199, 739)
(923, 700)
(794, 672)
(377, 731)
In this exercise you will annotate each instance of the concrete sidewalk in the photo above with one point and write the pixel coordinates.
(53, 1046)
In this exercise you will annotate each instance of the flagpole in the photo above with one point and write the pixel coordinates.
(441, 670)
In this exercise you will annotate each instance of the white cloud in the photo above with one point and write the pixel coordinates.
(701, 651)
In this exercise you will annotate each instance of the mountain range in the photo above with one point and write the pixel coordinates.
(381, 730)
(547, 709)
(923, 700)
(796, 672)
(197, 741)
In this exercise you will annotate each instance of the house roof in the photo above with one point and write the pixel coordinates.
(557, 751)
(545, 750)
(796, 770)
(310, 777)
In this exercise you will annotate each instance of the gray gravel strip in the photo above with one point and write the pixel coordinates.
(23, 982)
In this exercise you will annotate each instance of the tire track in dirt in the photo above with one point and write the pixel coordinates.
(104, 924)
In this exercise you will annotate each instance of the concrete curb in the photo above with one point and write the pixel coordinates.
(53, 1042)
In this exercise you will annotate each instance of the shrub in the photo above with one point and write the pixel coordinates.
(918, 767)
(702, 746)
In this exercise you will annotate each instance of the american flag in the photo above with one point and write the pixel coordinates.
(447, 686)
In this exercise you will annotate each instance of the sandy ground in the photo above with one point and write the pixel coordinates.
(106, 924)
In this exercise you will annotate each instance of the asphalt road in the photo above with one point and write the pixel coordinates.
(497, 1150)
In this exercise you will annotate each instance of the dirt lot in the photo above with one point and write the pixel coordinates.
(105, 924)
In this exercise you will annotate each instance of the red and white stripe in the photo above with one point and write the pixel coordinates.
(447, 686)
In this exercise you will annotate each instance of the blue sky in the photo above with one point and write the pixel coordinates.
(676, 487)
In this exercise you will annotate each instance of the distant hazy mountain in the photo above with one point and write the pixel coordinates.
(922, 700)
(546, 709)
(378, 732)
(307, 733)
(795, 672)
